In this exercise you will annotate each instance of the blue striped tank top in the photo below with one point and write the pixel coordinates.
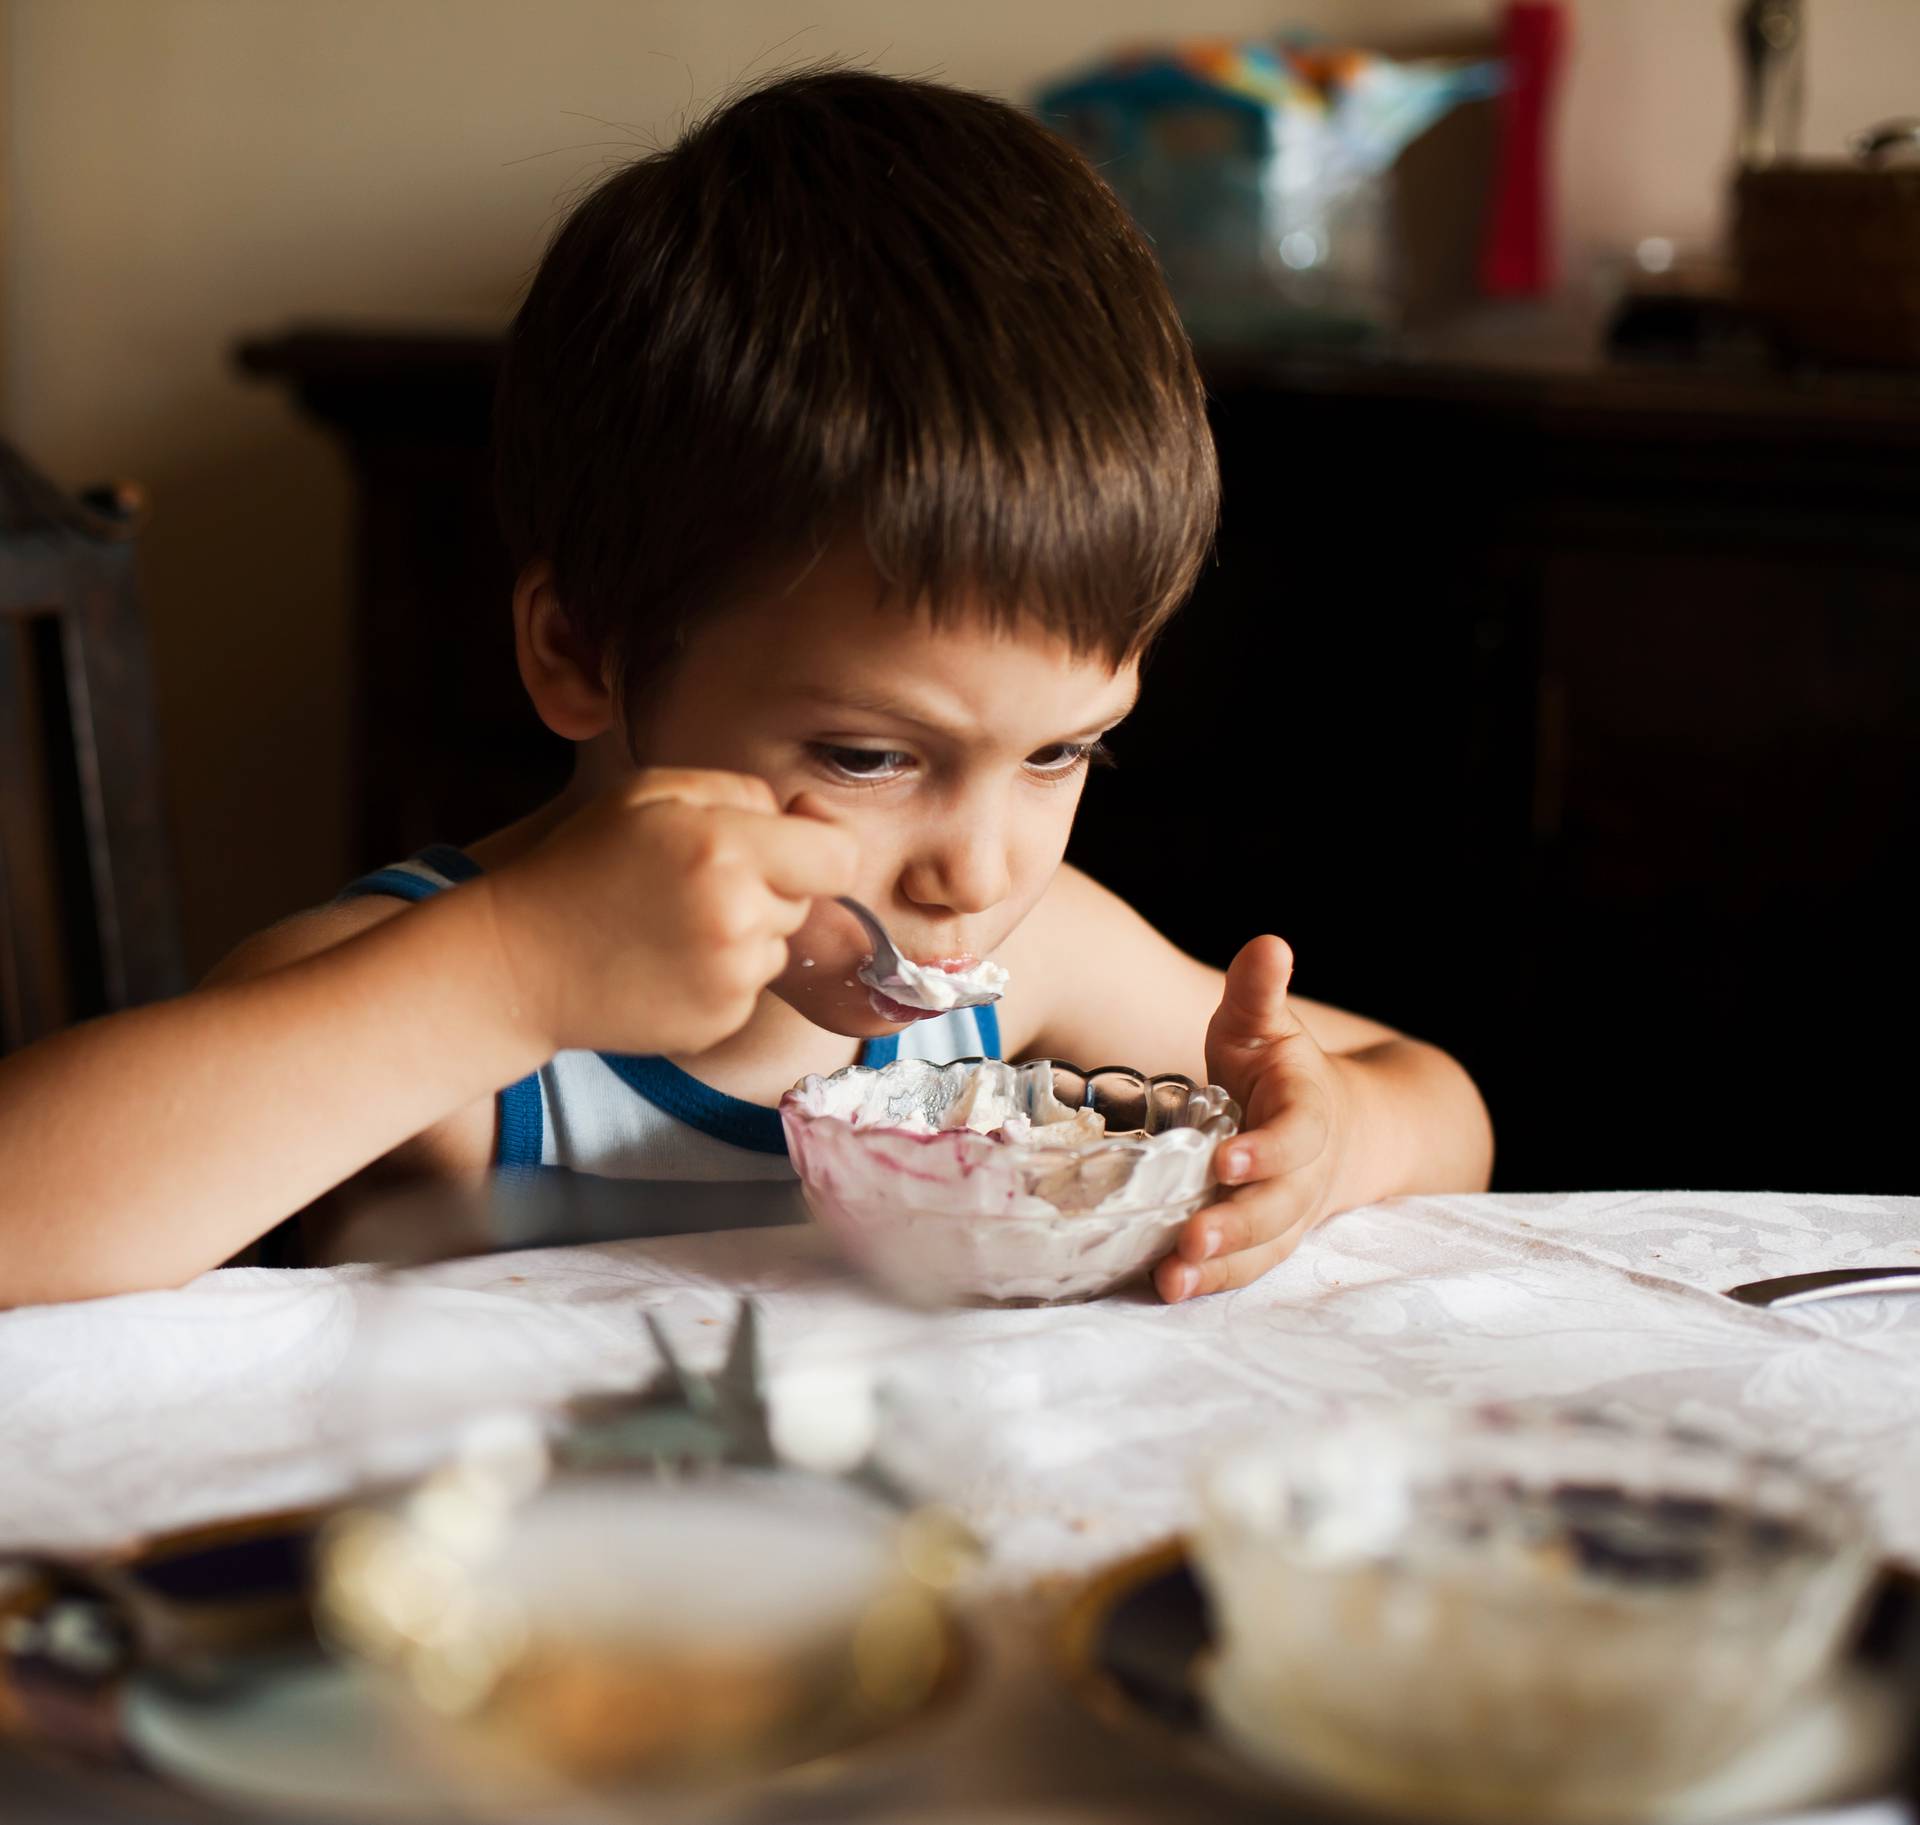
(626, 1116)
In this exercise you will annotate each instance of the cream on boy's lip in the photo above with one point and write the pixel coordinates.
(936, 987)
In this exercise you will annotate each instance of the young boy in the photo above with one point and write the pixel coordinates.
(852, 454)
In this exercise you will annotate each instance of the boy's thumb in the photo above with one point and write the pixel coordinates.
(1253, 1009)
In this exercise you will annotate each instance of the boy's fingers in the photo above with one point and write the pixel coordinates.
(808, 804)
(789, 914)
(1293, 1135)
(701, 786)
(1176, 1279)
(1247, 1218)
(799, 858)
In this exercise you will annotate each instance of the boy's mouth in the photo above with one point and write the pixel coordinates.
(903, 1012)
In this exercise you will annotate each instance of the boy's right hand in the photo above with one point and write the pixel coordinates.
(651, 920)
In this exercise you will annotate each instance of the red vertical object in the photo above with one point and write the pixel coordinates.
(1518, 257)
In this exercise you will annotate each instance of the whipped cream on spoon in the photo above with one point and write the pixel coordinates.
(916, 985)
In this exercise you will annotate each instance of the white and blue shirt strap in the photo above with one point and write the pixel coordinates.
(415, 879)
(521, 1129)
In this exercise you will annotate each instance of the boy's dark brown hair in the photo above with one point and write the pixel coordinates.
(849, 301)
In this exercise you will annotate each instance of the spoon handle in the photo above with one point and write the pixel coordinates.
(886, 954)
(1830, 1283)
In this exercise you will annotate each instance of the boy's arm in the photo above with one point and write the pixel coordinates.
(146, 1147)
(1340, 1110)
(460, 1147)
(143, 1148)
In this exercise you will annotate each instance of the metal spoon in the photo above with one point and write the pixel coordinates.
(1831, 1283)
(889, 965)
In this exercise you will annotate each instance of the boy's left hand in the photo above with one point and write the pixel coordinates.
(1283, 1163)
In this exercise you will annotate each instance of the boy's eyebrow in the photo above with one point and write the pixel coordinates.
(876, 703)
(1107, 722)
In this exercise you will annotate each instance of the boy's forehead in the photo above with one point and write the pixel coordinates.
(839, 601)
(832, 635)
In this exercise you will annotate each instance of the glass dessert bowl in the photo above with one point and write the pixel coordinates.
(983, 1183)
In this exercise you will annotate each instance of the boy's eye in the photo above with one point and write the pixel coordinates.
(864, 763)
(880, 766)
(1068, 756)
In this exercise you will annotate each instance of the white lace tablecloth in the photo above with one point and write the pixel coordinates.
(1067, 1432)
(1066, 1435)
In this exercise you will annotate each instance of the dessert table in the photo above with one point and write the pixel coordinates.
(1067, 1437)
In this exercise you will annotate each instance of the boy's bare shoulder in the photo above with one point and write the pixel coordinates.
(1084, 964)
(1074, 909)
(1112, 983)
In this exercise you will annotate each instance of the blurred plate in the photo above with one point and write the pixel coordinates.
(257, 1716)
(1132, 1642)
(319, 1735)
(303, 1735)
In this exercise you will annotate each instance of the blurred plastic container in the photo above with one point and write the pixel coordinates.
(1295, 191)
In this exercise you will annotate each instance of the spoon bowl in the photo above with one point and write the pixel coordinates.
(913, 985)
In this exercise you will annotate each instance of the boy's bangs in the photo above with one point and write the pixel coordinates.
(1082, 527)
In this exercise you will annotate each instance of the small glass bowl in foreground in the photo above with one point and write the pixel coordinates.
(1517, 1612)
(1030, 1206)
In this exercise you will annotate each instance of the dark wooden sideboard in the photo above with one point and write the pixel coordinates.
(1562, 711)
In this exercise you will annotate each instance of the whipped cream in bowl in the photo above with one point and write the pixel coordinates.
(984, 1183)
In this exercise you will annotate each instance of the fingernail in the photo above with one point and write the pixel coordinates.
(1237, 1162)
(1209, 1243)
(1185, 1279)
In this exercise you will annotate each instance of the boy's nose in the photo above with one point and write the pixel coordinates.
(964, 873)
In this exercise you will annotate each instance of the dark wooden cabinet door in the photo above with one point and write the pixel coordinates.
(1723, 961)
(1336, 738)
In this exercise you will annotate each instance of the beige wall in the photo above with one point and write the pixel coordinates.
(184, 172)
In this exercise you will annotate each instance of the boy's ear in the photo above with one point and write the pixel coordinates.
(566, 682)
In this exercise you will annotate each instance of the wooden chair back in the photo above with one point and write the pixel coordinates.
(88, 916)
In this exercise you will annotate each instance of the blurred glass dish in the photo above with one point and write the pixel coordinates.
(1517, 1612)
(587, 1634)
(983, 1183)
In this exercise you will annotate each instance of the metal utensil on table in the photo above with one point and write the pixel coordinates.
(1829, 1283)
(681, 1416)
(888, 958)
